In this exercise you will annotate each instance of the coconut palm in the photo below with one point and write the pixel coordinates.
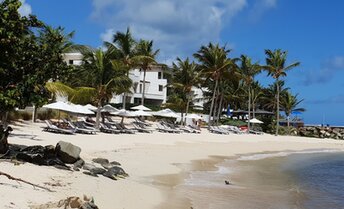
(276, 67)
(289, 104)
(214, 64)
(145, 59)
(269, 95)
(248, 70)
(106, 75)
(185, 76)
(256, 94)
(123, 47)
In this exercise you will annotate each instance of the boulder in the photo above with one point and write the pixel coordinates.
(78, 164)
(100, 161)
(88, 166)
(115, 171)
(98, 170)
(67, 152)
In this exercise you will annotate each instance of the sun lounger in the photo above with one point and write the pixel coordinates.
(80, 130)
(140, 129)
(123, 129)
(217, 130)
(52, 128)
(107, 129)
(87, 123)
(164, 129)
(196, 130)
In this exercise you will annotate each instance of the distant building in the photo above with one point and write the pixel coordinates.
(155, 88)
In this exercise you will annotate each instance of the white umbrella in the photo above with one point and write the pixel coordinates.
(124, 113)
(91, 107)
(109, 108)
(255, 120)
(63, 106)
(194, 116)
(141, 107)
(82, 109)
(142, 113)
(163, 112)
(170, 115)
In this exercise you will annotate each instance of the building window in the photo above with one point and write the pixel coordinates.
(71, 62)
(159, 75)
(161, 87)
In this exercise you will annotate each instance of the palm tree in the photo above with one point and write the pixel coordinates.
(144, 59)
(289, 104)
(214, 64)
(185, 76)
(248, 71)
(124, 50)
(256, 94)
(269, 95)
(277, 68)
(105, 74)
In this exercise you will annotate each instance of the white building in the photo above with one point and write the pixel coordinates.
(155, 88)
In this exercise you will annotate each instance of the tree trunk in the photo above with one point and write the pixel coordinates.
(124, 100)
(219, 110)
(212, 102)
(143, 87)
(277, 107)
(215, 108)
(34, 113)
(187, 110)
(4, 119)
(182, 118)
(288, 124)
(98, 115)
(249, 109)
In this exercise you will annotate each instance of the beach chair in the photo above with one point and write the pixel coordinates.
(54, 129)
(80, 130)
(123, 128)
(142, 122)
(162, 128)
(196, 130)
(142, 130)
(105, 128)
(87, 123)
(215, 129)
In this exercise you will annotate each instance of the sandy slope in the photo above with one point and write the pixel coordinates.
(143, 156)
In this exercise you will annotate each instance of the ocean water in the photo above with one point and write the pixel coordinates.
(304, 180)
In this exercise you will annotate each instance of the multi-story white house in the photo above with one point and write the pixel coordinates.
(155, 88)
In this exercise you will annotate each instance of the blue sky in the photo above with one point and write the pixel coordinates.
(311, 32)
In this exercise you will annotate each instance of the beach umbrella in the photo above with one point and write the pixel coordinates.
(91, 107)
(170, 115)
(142, 113)
(108, 108)
(255, 120)
(124, 113)
(59, 105)
(141, 107)
(82, 109)
(162, 112)
(194, 116)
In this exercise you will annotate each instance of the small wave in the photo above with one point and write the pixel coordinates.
(283, 154)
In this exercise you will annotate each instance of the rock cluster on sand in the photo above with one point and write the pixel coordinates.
(69, 203)
(62, 156)
(322, 132)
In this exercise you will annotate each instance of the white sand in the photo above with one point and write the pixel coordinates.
(143, 156)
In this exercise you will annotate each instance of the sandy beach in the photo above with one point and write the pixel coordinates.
(156, 163)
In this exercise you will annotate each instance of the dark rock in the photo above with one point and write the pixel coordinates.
(67, 152)
(88, 166)
(115, 171)
(88, 205)
(49, 151)
(65, 167)
(90, 173)
(31, 158)
(98, 170)
(100, 160)
(115, 163)
(78, 164)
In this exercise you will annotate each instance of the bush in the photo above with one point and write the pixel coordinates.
(231, 122)
(47, 114)
(19, 115)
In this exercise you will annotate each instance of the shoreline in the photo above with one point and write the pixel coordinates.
(143, 156)
(235, 169)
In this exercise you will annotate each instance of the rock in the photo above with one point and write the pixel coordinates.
(88, 166)
(115, 163)
(67, 152)
(101, 160)
(62, 167)
(88, 205)
(78, 164)
(90, 173)
(49, 151)
(98, 170)
(37, 159)
(115, 171)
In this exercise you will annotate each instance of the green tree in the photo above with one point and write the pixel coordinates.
(277, 68)
(248, 70)
(145, 59)
(214, 66)
(289, 104)
(185, 76)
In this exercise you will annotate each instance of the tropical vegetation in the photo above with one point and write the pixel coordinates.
(27, 78)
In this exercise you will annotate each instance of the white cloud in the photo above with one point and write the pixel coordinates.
(178, 27)
(260, 7)
(25, 8)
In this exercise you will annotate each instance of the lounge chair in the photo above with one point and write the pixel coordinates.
(140, 129)
(123, 129)
(142, 122)
(196, 130)
(105, 128)
(87, 123)
(54, 129)
(164, 129)
(79, 129)
(217, 130)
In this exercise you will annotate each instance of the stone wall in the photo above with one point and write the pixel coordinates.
(322, 132)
